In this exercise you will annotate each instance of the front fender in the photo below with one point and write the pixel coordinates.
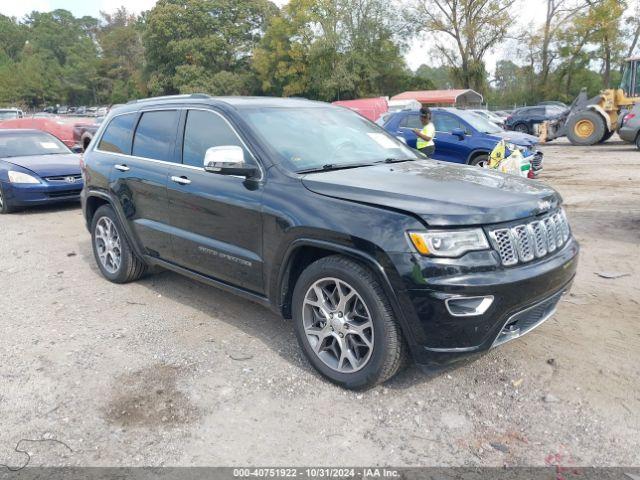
(381, 265)
(603, 114)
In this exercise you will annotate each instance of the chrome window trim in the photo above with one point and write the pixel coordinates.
(182, 165)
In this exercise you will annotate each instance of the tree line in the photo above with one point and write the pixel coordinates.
(321, 49)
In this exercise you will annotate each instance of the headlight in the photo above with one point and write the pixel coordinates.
(449, 243)
(19, 177)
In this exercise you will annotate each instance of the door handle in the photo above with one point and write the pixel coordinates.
(122, 168)
(181, 180)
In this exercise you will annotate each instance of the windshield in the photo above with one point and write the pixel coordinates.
(479, 122)
(8, 115)
(28, 144)
(316, 137)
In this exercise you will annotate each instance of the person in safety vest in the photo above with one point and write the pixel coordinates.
(427, 134)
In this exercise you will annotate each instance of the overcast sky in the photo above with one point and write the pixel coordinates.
(530, 11)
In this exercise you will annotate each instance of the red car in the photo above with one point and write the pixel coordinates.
(84, 131)
(59, 128)
(370, 108)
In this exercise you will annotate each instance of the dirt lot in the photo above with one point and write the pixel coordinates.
(169, 372)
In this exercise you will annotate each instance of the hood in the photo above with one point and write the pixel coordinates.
(48, 165)
(440, 193)
(522, 139)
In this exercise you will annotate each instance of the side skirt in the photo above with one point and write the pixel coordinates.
(254, 297)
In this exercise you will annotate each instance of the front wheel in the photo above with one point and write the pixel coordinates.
(112, 252)
(638, 142)
(585, 128)
(521, 128)
(345, 325)
(5, 206)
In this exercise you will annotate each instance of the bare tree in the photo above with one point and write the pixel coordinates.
(465, 31)
(559, 12)
(633, 22)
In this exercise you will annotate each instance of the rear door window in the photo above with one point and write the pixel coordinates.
(156, 134)
(118, 134)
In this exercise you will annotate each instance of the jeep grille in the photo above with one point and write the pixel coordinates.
(527, 241)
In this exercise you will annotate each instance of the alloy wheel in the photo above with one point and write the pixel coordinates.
(338, 325)
(108, 246)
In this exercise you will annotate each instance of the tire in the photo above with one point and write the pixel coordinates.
(481, 161)
(638, 141)
(521, 127)
(585, 128)
(368, 310)
(606, 136)
(5, 206)
(129, 267)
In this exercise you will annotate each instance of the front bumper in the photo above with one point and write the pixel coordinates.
(523, 297)
(24, 195)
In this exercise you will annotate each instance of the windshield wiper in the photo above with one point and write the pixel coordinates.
(397, 160)
(334, 166)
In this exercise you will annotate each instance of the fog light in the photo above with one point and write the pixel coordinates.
(468, 306)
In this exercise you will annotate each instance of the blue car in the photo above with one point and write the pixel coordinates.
(36, 168)
(462, 136)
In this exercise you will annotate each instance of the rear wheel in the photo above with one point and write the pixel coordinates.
(638, 142)
(112, 252)
(345, 325)
(586, 128)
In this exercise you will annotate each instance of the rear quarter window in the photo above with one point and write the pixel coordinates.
(118, 134)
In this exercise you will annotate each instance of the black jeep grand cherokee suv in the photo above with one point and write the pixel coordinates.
(373, 251)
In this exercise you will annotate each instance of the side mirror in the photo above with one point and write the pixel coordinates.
(77, 149)
(458, 132)
(227, 160)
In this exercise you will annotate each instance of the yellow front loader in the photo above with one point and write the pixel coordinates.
(593, 120)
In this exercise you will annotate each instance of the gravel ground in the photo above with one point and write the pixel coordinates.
(166, 371)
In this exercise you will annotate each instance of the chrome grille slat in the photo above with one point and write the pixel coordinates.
(63, 178)
(535, 239)
(550, 225)
(523, 243)
(505, 246)
(540, 238)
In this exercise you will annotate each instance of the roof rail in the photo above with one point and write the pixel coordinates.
(170, 97)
